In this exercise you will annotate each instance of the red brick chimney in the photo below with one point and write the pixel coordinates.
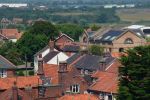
(40, 66)
(51, 45)
(15, 92)
(62, 73)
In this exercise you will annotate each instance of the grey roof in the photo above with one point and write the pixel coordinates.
(110, 36)
(5, 64)
(71, 48)
(49, 56)
(42, 50)
(92, 62)
(73, 58)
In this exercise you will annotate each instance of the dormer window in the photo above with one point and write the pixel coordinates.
(75, 88)
(3, 73)
(128, 41)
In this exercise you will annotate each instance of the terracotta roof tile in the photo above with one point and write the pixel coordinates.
(11, 33)
(107, 80)
(22, 82)
(79, 97)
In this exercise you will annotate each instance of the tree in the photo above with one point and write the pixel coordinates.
(45, 28)
(73, 30)
(10, 52)
(135, 74)
(36, 37)
(96, 50)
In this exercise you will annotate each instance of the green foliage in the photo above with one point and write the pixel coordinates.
(10, 52)
(31, 72)
(20, 73)
(36, 38)
(135, 75)
(95, 27)
(96, 50)
(73, 30)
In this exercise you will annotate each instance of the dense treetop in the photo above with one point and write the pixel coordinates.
(135, 74)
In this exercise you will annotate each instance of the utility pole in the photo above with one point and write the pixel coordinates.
(26, 64)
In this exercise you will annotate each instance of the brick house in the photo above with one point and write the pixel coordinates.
(119, 40)
(7, 69)
(11, 34)
(105, 83)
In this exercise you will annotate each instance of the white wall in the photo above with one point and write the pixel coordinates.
(61, 57)
(45, 52)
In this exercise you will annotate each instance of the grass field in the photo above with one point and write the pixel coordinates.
(134, 15)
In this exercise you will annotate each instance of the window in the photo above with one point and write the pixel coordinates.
(121, 49)
(128, 41)
(3, 73)
(75, 88)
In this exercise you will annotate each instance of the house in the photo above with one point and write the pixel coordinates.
(56, 51)
(5, 22)
(79, 97)
(120, 40)
(49, 56)
(11, 34)
(67, 77)
(62, 40)
(105, 83)
(88, 63)
(3, 38)
(7, 69)
(17, 20)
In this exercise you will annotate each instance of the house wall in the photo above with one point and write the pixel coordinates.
(13, 40)
(63, 39)
(61, 57)
(10, 73)
(45, 52)
(119, 43)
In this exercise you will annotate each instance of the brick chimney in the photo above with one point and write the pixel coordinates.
(40, 66)
(15, 92)
(51, 45)
(62, 67)
(62, 74)
(102, 64)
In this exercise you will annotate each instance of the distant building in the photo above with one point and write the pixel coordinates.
(13, 5)
(17, 20)
(12, 34)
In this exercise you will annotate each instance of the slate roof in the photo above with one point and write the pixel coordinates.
(73, 58)
(89, 62)
(49, 56)
(109, 36)
(5, 64)
(71, 48)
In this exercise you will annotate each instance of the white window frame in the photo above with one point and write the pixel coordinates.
(3, 73)
(75, 88)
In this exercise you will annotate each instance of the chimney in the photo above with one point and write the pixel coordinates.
(62, 67)
(51, 45)
(15, 92)
(102, 64)
(40, 66)
(62, 75)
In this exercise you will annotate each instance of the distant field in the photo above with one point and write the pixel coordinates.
(134, 15)
(72, 13)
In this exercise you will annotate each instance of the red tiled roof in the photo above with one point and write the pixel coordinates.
(108, 80)
(50, 70)
(79, 97)
(22, 82)
(11, 33)
(118, 54)
(7, 95)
